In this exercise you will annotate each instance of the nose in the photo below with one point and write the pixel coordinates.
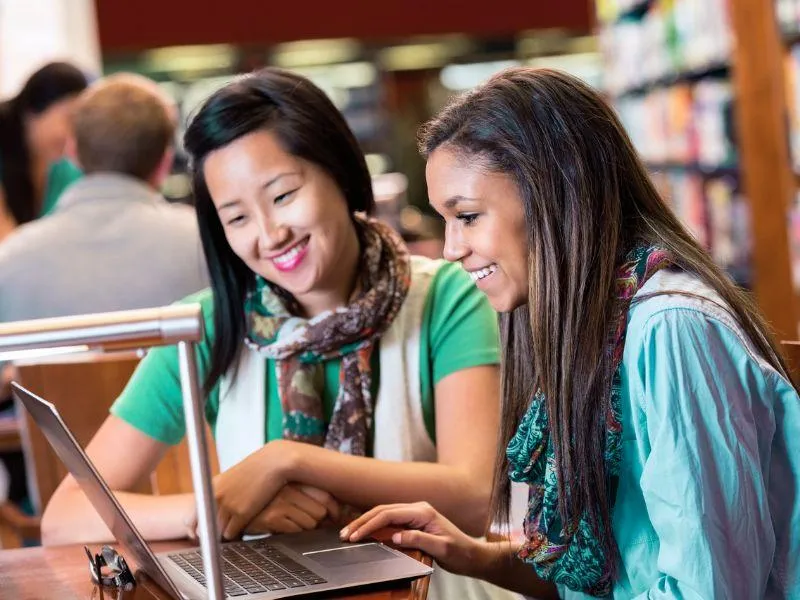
(271, 234)
(454, 247)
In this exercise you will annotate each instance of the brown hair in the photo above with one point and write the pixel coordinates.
(123, 125)
(587, 200)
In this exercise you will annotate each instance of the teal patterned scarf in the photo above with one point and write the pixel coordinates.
(570, 554)
(300, 346)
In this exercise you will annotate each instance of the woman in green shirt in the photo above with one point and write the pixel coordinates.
(340, 371)
(646, 405)
(34, 127)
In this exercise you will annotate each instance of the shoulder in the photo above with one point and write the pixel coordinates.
(29, 239)
(691, 318)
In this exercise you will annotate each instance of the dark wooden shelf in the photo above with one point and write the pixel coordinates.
(717, 70)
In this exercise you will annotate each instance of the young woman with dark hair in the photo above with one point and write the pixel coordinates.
(341, 372)
(34, 127)
(645, 403)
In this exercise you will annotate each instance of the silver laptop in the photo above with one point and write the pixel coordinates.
(279, 566)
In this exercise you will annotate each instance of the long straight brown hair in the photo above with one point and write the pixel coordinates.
(587, 201)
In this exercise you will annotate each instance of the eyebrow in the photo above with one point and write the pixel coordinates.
(270, 183)
(453, 200)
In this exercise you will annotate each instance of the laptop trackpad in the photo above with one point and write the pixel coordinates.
(350, 555)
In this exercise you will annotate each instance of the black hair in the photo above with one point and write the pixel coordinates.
(50, 84)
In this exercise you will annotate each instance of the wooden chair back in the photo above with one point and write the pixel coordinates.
(791, 351)
(83, 388)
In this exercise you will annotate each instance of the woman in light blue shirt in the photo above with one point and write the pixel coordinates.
(645, 404)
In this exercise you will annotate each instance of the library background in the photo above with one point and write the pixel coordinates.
(709, 91)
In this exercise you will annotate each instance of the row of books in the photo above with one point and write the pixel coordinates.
(792, 69)
(686, 124)
(716, 213)
(671, 38)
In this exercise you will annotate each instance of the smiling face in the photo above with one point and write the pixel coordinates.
(286, 219)
(485, 225)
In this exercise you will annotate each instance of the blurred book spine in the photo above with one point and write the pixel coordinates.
(667, 72)
(788, 14)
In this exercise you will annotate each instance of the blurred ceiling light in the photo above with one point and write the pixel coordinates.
(177, 185)
(421, 56)
(315, 52)
(389, 186)
(343, 76)
(377, 164)
(465, 77)
(190, 58)
(584, 43)
(587, 66)
(553, 41)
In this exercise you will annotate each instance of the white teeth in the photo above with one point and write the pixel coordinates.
(290, 255)
(485, 272)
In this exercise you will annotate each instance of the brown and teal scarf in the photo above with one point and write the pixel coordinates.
(300, 346)
(570, 554)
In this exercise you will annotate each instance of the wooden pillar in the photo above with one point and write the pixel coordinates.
(768, 179)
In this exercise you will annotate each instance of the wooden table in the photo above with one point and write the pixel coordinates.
(62, 572)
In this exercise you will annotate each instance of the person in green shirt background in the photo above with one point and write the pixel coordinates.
(34, 128)
(60, 176)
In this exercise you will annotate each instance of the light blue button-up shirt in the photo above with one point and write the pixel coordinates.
(708, 501)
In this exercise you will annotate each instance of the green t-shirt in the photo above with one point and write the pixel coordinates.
(60, 176)
(459, 331)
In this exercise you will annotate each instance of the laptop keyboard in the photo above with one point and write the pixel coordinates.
(251, 568)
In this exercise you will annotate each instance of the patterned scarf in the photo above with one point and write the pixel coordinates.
(570, 554)
(301, 345)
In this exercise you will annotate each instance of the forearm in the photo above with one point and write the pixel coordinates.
(70, 518)
(498, 564)
(366, 482)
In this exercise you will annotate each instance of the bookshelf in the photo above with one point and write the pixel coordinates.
(787, 13)
(699, 85)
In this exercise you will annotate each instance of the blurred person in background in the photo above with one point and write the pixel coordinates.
(112, 242)
(34, 127)
(340, 371)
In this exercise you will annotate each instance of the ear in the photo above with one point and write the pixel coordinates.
(163, 169)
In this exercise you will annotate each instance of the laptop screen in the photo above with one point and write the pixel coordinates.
(78, 464)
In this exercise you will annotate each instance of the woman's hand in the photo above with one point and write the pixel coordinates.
(244, 490)
(295, 508)
(428, 531)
